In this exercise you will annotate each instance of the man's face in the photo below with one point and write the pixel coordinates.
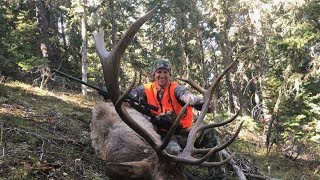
(162, 77)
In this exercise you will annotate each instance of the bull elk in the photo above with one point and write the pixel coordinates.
(127, 140)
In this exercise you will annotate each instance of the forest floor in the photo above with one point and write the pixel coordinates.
(45, 135)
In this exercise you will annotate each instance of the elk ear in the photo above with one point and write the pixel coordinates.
(132, 169)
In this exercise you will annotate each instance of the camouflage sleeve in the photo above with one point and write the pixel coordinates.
(184, 96)
(139, 93)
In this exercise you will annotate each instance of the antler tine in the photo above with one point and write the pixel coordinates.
(218, 124)
(125, 94)
(220, 147)
(193, 84)
(189, 159)
(173, 128)
(111, 69)
(201, 161)
(130, 121)
(188, 152)
(220, 163)
(220, 76)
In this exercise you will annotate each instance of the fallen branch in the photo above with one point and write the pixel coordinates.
(55, 140)
(234, 165)
(256, 176)
(241, 174)
(1, 139)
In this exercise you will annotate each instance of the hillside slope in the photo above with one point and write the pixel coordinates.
(45, 135)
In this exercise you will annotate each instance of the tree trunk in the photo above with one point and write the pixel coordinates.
(61, 33)
(42, 18)
(186, 48)
(230, 90)
(84, 47)
(41, 14)
(113, 23)
(227, 58)
(270, 139)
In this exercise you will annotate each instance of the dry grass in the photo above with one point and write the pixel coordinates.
(45, 135)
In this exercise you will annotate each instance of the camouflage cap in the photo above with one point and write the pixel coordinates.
(161, 64)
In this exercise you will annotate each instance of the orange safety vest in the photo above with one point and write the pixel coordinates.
(169, 102)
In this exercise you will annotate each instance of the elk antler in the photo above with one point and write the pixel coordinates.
(111, 68)
(189, 152)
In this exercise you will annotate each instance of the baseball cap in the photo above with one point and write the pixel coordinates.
(161, 64)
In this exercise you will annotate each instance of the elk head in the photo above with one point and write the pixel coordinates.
(111, 122)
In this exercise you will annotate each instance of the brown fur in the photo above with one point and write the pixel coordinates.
(125, 152)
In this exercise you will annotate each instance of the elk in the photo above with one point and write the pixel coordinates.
(128, 141)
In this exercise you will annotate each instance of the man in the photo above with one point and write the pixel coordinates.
(169, 97)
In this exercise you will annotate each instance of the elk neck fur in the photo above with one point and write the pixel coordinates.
(123, 149)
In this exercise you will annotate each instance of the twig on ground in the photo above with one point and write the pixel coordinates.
(256, 176)
(41, 152)
(1, 139)
(51, 139)
(235, 167)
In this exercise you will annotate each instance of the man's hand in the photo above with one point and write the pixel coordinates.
(164, 122)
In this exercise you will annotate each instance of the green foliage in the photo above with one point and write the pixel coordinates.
(276, 44)
(291, 90)
(25, 36)
(250, 124)
(301, 123)
(41, 140)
